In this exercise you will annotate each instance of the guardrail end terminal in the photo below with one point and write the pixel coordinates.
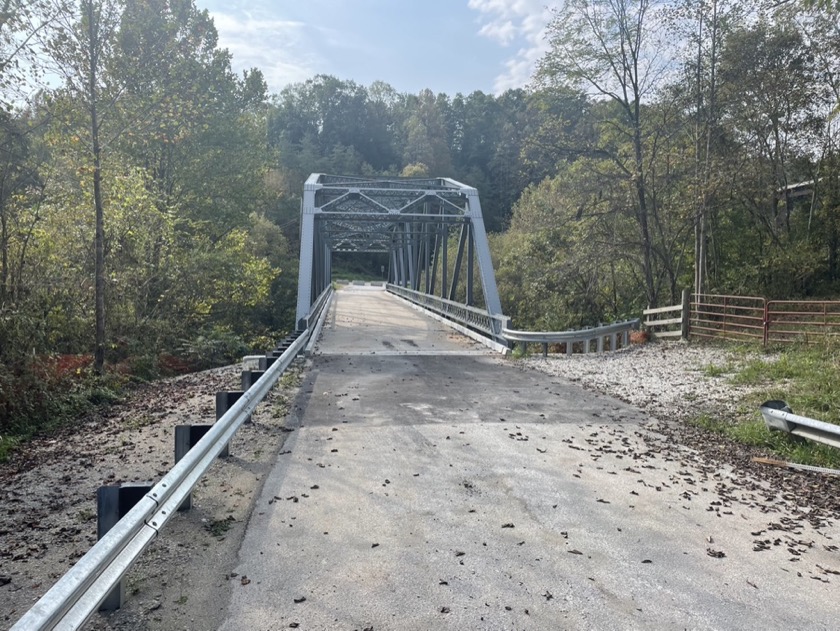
(773, 421)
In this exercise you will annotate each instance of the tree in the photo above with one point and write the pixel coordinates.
(82, 49)
(608, 47)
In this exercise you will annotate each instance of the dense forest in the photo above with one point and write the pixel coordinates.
(149, 195)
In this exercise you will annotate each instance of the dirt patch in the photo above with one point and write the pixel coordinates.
(49, 497)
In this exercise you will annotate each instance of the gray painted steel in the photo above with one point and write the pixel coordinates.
(409, 218)
(584, 336)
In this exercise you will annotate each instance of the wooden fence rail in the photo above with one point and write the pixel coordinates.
(662, 327)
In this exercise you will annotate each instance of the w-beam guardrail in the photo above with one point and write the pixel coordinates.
(779, 417)
(78, 594)
(584, 338)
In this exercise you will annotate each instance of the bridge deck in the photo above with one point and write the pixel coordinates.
(366, 320)
(457, 491)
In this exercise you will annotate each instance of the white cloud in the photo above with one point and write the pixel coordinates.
(277, 47)
(515, 21)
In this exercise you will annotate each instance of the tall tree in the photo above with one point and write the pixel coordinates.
(82, 48)
(608, 47)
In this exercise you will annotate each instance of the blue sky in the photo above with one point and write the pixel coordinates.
(447, 45)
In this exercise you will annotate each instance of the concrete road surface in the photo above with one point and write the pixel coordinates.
(457, 491)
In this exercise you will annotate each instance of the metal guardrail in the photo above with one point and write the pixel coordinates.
(323, 307)
(77, 595)
(471, 317)
(583, 337)
(496, 327)
(779, 417)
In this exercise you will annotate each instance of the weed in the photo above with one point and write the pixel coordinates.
(7, 445)
(182, 600)
(290, 379)
(219, 527)
(519, 351)
(713, 370)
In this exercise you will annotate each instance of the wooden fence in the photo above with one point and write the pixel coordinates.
(745, 319)
(662, 324)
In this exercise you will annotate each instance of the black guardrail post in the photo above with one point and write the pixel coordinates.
(112, 504)
(186, 437)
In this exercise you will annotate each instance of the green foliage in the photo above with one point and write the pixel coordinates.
(807, 377)
(213, 347)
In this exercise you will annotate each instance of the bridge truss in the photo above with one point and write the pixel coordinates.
(413, 220)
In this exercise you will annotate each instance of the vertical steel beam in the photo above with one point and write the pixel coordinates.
(445, 262)
(470, 265)
(417, 252)
(409, 254)
(392, 266)
(428, 256)
(307, 251)
(430, 288)
(459, 257)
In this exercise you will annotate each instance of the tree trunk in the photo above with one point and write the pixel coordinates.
(99, 238)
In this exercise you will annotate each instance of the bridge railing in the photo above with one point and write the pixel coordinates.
(592, 339)
(470, 317)
(588, 340)
(77, 595)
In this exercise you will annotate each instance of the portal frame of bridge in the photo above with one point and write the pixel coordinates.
(410, 219)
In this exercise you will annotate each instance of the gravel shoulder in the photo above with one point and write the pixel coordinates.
(183, 581)
(667, 380)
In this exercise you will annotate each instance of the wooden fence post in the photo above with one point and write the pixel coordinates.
(686, 314)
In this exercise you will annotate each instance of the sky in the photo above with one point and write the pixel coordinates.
(447, 46)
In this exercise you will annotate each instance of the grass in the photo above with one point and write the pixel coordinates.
(519, 351)
(806, 377)
(713, 370)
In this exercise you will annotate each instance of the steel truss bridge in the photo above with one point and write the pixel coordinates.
(413, 221)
